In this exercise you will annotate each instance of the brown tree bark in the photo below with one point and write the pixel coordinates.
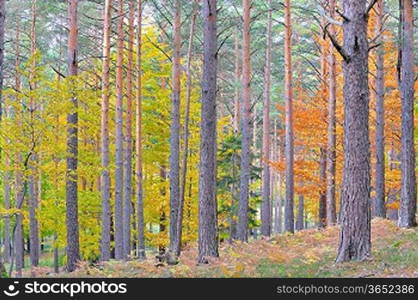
(289, 137)
(355, 242)
(266, 197)
(242, 228)
(73, 246)
(104, 127)
(408, 207)
(380, 205)
(138, 142)
(331, 153)
(208, 231)
(119, 247)
(175, 130)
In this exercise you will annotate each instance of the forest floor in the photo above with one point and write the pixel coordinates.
(309, 253)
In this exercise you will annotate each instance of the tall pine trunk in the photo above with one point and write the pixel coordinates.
(289, 138)
(331, 153)
(33, 177)
(127, 192)
(119, 247)
(380, 205)
(105, 176)
(186, 134)
(5, 256)
(266, 197)
(138, 142)
(355, 243)
(73, 246)
(208, 232)
(408, 207)
(242, 228)
(175, 130)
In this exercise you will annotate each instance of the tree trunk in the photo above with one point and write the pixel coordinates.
(18, 251)
(408, 207)
(33, 192)
(300, 217)
(380, 205)
(331, 153)
(289, 147)
(2, 24)
(177, 247)
(119, 247)
(6, 179)
(242, 228)
(208, 232)
(266, 199)
(105, 176)
(355, 243)
(236, 123)
(127, 192)
(175, 130)
(322, 214)
(392, 213)
(73, 247)
(56, 256)
(138, 142)
(7, 195)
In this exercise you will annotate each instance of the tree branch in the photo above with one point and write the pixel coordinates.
(370, 7)
(336, 45)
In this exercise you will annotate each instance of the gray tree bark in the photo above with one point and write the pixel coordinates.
(119, 247)
(138, 142)
(2, 23)
(208, 233)
(175, 130)
(355, 242)
(6, 184)
(408, 205)
(380, 205)
(127, 186)
(266, 197)
(300, 216)
(186, 134)
(242, 228)
(104, 127)
(322, 214)
(73, 246)
(331, 153)
(34, 174)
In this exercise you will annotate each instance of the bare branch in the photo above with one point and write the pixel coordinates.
(336, 45)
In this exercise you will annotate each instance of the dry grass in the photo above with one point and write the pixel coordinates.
(309, 253)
